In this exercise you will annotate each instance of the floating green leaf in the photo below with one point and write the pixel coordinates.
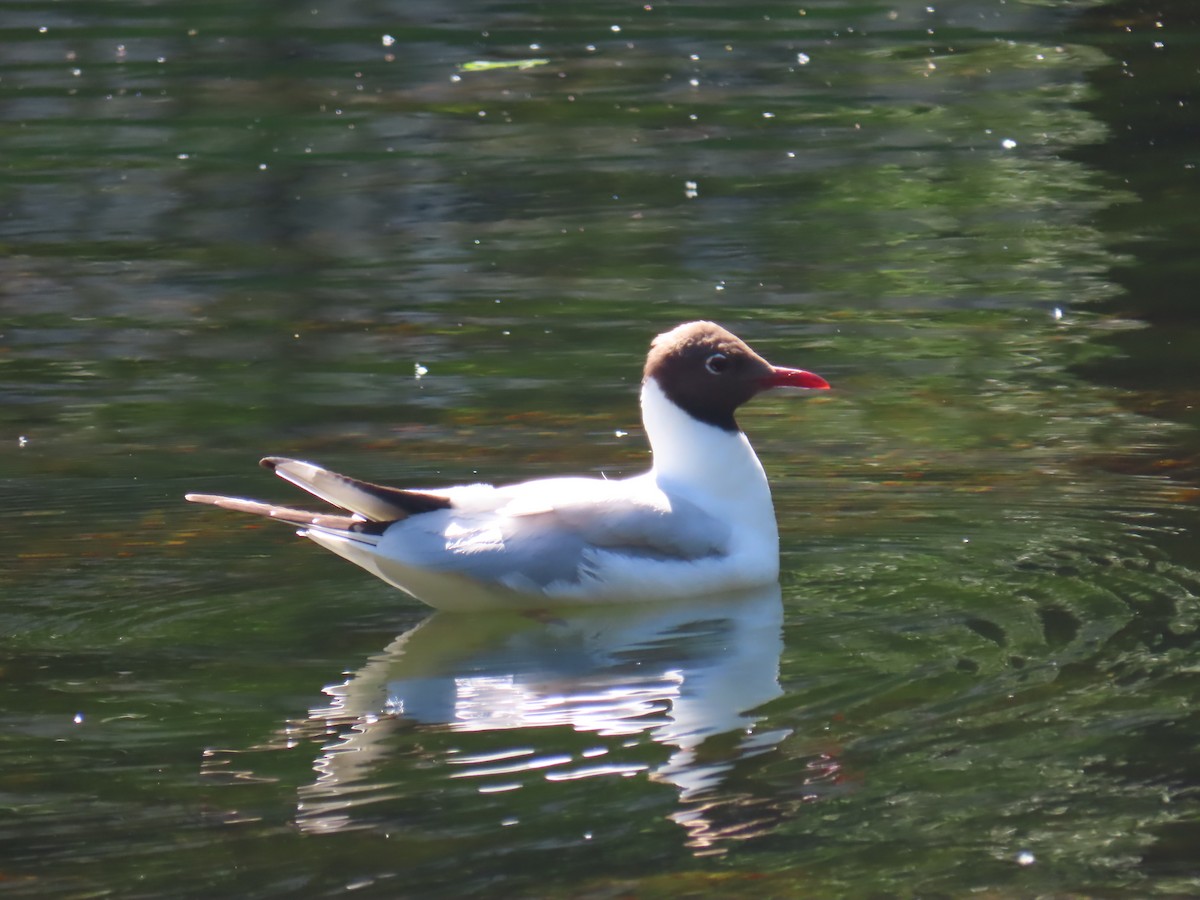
(486, 65)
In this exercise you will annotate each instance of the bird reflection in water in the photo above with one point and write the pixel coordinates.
(688, 676)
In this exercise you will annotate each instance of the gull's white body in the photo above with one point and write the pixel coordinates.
(701, 520)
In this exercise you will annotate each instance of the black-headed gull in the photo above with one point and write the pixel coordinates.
(699, 522)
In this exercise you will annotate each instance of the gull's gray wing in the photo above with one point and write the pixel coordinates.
(375, 502)
(555, 545)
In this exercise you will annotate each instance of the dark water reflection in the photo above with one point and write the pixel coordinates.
(970, 215)
(684, 676)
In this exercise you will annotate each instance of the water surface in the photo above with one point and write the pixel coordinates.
(331, 233)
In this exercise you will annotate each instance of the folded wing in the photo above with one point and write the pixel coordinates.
(553, 545)
(375, 502)
(537, 536)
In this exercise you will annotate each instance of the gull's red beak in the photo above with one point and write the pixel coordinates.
(781, 377)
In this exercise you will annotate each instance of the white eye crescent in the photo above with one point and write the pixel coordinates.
(717, 363)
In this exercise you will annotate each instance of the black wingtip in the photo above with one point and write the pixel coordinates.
(270, 462)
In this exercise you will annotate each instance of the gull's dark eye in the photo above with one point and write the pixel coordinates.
(717, 363)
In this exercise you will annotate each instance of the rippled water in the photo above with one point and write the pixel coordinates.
(343, 233)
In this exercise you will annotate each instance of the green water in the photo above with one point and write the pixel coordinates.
(228, 232)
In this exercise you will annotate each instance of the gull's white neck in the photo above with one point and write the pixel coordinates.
(702, 460)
